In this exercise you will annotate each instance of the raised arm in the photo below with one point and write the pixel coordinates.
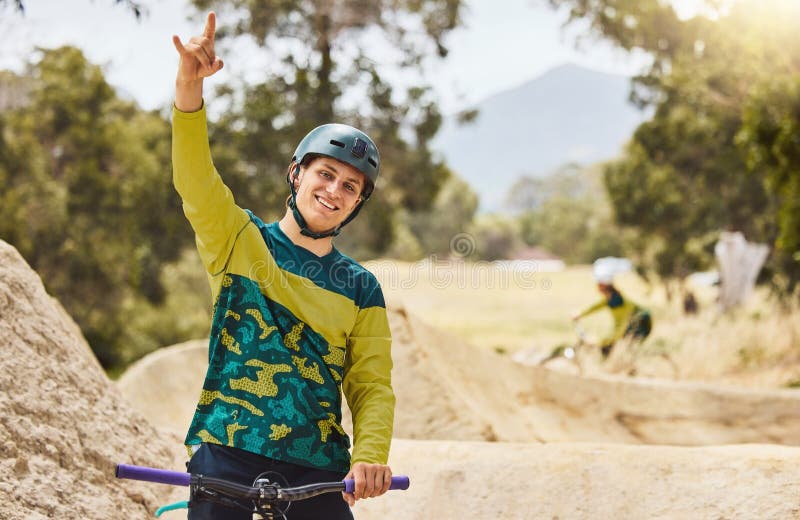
(207, 202)
(197, 61)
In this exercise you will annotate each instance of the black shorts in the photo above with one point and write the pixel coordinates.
(640, 325)
(244, 467)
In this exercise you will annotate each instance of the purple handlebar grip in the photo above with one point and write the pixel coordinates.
(398, 482)
(161, 476)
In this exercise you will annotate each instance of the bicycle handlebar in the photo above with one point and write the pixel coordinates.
(178, 478)
(159, 476)
(399, 482)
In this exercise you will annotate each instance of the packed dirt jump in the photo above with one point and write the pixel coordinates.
(480, 435)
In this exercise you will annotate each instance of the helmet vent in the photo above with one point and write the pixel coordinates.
(372, 162)
(337, 143)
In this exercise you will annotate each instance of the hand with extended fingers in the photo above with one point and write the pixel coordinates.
(197, 61)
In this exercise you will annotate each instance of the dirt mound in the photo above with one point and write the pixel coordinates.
(63, 425)
(449, 390)
(465, 480)
(164, 386)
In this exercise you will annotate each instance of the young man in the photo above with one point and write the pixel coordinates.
(295, 322)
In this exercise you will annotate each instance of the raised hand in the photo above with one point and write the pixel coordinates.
(197, 61)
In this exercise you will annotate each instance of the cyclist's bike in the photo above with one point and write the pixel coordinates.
(574, 353)
(267, 498)
(629, 357)
(633, 357)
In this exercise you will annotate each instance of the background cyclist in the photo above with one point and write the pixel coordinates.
(630, 320)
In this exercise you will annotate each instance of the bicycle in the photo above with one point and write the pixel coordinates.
(268, 499)
(629, 356)
(636, 358)
(572, 353)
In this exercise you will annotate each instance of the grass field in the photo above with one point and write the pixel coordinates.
(757, 345)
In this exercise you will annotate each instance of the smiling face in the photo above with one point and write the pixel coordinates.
(328, 190)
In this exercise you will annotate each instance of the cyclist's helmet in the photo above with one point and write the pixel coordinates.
(347, 144)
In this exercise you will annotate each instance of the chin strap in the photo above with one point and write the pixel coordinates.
(301, 222)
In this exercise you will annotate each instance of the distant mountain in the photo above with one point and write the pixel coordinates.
(569, 114)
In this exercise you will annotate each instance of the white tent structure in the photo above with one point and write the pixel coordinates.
(739, 264)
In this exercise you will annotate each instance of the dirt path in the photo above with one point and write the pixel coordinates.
(480, 435)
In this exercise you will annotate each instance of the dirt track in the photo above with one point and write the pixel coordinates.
(480, 435)
(485, 437)
(449, 390)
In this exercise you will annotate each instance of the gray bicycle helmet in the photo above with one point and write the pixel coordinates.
(347, 144)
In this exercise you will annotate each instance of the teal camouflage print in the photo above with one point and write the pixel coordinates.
(273, 384)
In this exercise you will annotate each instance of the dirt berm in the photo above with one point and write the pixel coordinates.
(450, 390)
(64, 425)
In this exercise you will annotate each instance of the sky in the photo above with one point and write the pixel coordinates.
(502, 44)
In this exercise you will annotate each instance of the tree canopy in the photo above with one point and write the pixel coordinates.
(566, 213)
(87, 196)
(320, 70)
(717, 153)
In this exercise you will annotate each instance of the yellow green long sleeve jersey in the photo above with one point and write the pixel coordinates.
(291, 331)
(622, 310)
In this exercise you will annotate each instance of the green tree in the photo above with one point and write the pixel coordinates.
(490, 237)
(325, 54)
(451, 214)
(684, 176)
(769, 137)
(567, 213)
(87, 196)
